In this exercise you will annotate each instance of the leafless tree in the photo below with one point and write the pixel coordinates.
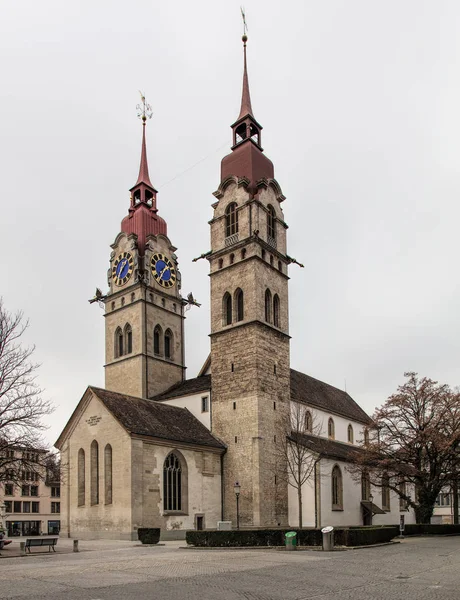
(295, 461)
(418, 443)
(21, 406)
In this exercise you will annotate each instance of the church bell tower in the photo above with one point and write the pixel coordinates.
(144, 311)
(250, 325)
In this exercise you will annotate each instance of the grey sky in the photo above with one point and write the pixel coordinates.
(359, 102)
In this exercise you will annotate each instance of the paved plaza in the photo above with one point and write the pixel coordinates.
(418, 568)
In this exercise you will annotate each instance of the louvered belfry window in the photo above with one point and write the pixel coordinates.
(172, 483)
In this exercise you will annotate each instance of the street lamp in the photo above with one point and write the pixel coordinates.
(237, 490)
(371, 500)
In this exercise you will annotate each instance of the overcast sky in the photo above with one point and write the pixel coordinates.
(359, 100)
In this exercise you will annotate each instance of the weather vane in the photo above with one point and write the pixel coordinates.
(144, 110)
(245, 26)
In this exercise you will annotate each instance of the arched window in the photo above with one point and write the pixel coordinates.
(231, 219)
(94, 472)
(108, 474)
(232, 259)
(128, 339)
(221, 263)
(239, 303)
(227, 309)
(331, 429)
(81, 477)
(243, 253)
(118, 342)
(113, 305)
(350, 434)
(365, 486)
(168, 344)
(271, 225)
(268, 306)
(276, 310)
(280, 266)
(133, 297)
(157, 333)
(271, 260)
(386, 492)
(337, 488)
(172, 483)
(308, 421)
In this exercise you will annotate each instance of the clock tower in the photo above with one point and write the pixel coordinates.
(250, 326)
(144, 310)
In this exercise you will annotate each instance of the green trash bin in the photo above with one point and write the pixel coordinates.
(290, 539)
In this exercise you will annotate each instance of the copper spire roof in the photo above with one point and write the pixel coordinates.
(246, 108)
(144, 167)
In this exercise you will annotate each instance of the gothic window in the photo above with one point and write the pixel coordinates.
(157, 333)
(276, 310)
(308, 421)
(81, 477)
(365, 486)
(350, 434)
(330, 429)
(385, 492)
(268, 306)
(239, 301)
(94, 466)
(231, 219)
(108, 474)
(128, 339)
(168, 343)
(172, 483)
(227, 309)
(271, 225)
(118, 342)
(337, 489)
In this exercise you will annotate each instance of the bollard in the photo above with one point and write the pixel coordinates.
(22, 546)
(75, 546)
(328, 538)
(290, 540)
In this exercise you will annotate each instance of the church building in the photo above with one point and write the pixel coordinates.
(154, 449)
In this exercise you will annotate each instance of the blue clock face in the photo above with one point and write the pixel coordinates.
(122, 268)
(163, 270)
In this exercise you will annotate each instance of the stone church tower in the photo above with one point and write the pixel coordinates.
(250, 326)
(144, 317)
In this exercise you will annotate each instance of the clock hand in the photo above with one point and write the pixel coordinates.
(163, 271)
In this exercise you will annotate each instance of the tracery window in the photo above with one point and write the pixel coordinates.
(94, 466)
(81, 477)
(119, 345)
(268, 306)
(172, 483)
(157, 333)
(239, 301)
(231, 219)
(108, 474)
(331, 429)
(276, 310)
(128, 339)
(337, 488)
(227, 309)
(168, 343)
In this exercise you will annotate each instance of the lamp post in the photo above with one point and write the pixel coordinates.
(371, 500)
(237, 490)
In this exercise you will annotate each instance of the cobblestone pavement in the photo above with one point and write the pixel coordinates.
(416, 569)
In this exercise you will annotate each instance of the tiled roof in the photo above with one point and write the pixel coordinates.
(326, 447)
(154, 419)
(311, 391)
(186, 388)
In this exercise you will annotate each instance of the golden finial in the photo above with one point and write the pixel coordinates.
(144, 110)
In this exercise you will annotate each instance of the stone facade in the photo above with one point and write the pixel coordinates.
(250, 383)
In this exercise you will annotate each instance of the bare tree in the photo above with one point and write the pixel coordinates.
(21, 406)
(418, 443)
(294, 460)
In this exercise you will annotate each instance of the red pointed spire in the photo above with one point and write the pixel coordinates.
(246, 108)
(144, 167)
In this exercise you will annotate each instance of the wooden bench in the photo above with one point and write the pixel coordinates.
(50, 542)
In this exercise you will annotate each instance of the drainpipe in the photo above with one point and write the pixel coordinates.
(317, 490)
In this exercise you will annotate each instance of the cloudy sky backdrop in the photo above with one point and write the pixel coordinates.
(360, 105)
